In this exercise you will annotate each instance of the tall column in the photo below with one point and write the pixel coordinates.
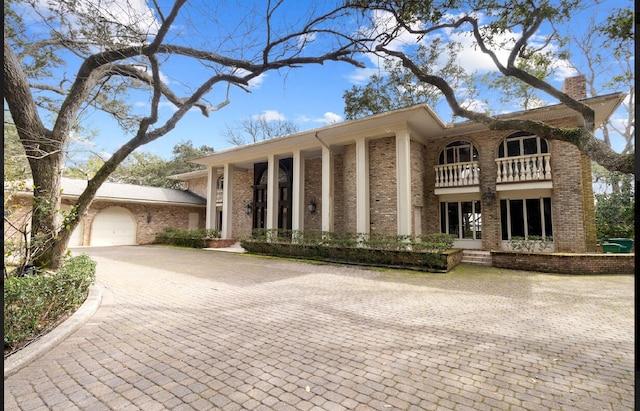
(403, 181)
(227, 202)
(327, 189)
(297, 222)
(272, 192)
(210, 216)
(363, 206)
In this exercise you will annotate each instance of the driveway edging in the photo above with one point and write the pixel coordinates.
(19, 360)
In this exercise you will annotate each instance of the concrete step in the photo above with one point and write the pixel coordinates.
(479, 257)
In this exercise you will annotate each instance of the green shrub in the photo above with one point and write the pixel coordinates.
(186, 238)
(34, 302)
(530, 244)
(423, 252)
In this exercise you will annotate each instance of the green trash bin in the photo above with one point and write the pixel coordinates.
(611, 248)
(626, 244)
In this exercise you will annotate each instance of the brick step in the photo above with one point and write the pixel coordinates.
(477, 257)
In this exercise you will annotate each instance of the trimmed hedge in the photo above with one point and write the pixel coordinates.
(34, 302)
(186, 238)
(425, 253)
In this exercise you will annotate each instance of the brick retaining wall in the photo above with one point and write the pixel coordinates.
(565, 263)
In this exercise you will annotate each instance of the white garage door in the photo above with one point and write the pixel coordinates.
(76, 236)
(113, 226)
(75, 239)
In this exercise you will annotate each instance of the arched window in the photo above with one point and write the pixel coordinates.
(220, 183)
(458, 152)
(523, 157)
(458, 165)
(522, 144)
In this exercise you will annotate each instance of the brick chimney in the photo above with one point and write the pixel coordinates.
(575, 87)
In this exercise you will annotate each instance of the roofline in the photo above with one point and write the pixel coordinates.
(346, 131)
(118, 199)
(189, 175)
(332, 129)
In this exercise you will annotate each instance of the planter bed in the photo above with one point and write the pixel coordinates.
(441, 262)
(565, 263)
(220, 242)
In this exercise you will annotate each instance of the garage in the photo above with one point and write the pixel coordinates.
(113, 226)
(76, 236)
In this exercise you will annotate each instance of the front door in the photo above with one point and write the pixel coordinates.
(284, 194)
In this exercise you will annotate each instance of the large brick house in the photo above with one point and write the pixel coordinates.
(406, 172)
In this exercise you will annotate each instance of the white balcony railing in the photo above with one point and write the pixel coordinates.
(523, 168)
(457, 174)
(219, 195)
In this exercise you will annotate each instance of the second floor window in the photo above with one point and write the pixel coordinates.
(458, 152)
(522, 144)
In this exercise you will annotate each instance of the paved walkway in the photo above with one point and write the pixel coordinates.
(191, 329)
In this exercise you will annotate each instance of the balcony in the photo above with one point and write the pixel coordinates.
(457, 175)
(219, 196)
(523, 169)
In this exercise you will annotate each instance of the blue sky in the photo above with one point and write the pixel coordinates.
(310, 96)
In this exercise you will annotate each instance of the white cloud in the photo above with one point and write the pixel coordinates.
(329, 118)
(121, 17)
(254, 83)
(269, 115)
(305, 40)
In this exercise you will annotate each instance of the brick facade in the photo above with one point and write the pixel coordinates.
(566, 263)
(569, 187)
(197, 186)
(313, 190)
(162, 216)
(382, 186)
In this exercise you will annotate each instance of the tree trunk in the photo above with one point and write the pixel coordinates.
(45, 224)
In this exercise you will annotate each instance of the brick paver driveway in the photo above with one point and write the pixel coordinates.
(193, 329)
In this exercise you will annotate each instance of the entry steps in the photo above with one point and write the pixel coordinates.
(479, 257)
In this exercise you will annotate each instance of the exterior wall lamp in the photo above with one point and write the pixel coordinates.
(312, 205)
(148, 218)
(248, 209)
(488, 196)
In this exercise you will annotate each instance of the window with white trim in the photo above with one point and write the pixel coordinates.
(461, 218)
(458, 152)
(526, 217)
(522, 144)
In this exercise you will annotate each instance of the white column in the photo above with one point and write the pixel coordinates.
(327, 189)
(272, 192)
(298, 192)
(363, 209)
(403, 181)
(227, 202)
(210, 214)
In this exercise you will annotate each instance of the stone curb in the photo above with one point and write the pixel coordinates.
(47, 342)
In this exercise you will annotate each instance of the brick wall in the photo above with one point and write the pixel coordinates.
(576, 87)
(242, 223)
(197, 186)
(567, 204)
(338, 194)
(566, 263)
(313, 190)
(382, 181)
(418, 153)
(162, 216)
(349, 222)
